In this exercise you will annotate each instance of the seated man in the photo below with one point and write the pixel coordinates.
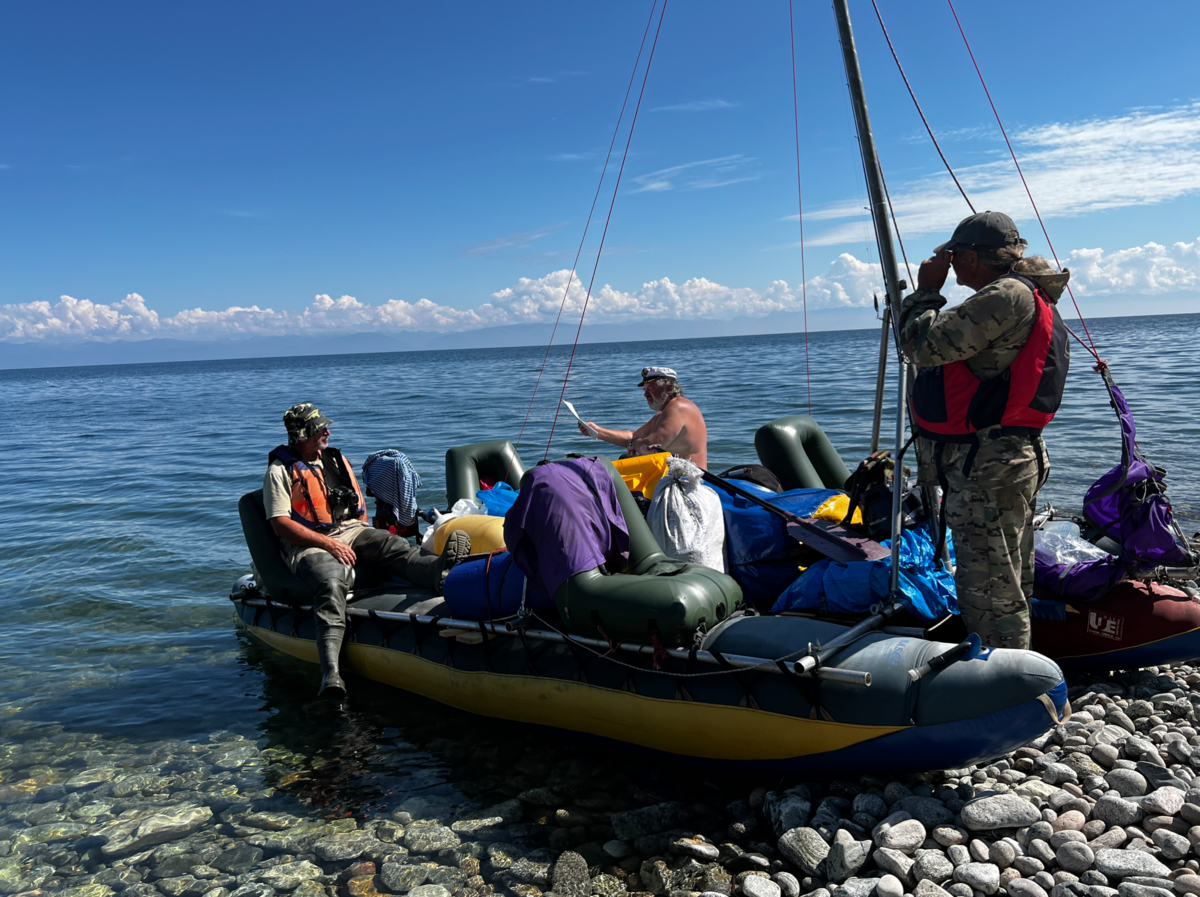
(315, 505)
(677, 426)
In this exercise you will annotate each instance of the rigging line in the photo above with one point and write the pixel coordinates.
(937, 146)
(896, 228)
(1092, 347)
(607, 221)
(800, 209)
(603, 173)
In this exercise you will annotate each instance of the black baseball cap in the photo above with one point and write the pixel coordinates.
(984, 230)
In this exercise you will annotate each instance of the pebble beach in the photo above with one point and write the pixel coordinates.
(1104, 804)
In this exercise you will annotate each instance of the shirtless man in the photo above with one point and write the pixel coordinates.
(677, 426)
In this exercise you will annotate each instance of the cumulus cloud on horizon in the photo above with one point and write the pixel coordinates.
(1152, 269)
(1141, 158)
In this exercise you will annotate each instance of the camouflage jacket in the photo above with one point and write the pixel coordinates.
(987, 332)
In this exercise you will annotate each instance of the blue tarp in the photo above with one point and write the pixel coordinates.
(852, 588)
(759, 552)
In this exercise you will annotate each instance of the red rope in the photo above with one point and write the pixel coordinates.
(1092, 347)
(800, 208)
(578, 252)
(607, 222)
(920, 112)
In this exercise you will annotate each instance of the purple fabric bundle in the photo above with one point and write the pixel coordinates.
(1128, 504)
(566, 520)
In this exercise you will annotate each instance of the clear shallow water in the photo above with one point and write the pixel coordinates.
(124, 480)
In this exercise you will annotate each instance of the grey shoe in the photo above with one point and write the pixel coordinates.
(329, 649)
(457, 549)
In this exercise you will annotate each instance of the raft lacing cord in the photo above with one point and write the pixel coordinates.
(607, 221)
(723, 672)
(800, 208)
(1090, 345)
(578, 252)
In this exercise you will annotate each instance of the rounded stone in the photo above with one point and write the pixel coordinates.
(756, 886)
(1172, 846)
(789, 886)
(1072, 819)
(1124, 863)
(932, 865)
(904, 836)
(1126, 782)
(1002, 854)
(983, 877)
(1001, 811)
(889, 886)
(1024, 887)
(1075, 856)
(949, 835)
(1058, 839)
(1165, 801)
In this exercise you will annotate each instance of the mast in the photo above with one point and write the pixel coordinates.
(887, 256)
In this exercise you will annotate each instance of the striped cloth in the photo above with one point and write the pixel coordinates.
(391, 478)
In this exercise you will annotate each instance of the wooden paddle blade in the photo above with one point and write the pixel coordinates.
(834, 541)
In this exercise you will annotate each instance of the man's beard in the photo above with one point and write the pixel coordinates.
(658, 403)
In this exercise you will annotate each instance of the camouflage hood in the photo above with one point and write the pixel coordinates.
(1051, 284)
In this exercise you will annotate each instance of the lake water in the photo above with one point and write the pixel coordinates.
(124, 539)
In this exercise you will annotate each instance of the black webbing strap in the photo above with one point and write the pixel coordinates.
(387, 628)
(745, 679)
(530, 657)
(808, 689)
(487, 648)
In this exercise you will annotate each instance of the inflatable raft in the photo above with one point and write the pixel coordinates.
(741, 691)
(1135, 624)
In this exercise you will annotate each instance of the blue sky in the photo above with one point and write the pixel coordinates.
(258, 155)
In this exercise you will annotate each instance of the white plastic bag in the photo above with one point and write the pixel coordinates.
(686, 517)
(1052, 547)
(464, 507)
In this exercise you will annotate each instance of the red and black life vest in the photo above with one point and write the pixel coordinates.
(951, 404)
(312, 486)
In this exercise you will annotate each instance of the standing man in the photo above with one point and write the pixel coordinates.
(316, 507)
(991, 376)
(677, 425)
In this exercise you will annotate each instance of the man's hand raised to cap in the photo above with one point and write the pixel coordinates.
(933, 272)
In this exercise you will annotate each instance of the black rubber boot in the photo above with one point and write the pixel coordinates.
(329, 648)
(457, 548)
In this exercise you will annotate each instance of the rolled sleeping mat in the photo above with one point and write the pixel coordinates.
(466, 465)
(796, 450)
(486, 532)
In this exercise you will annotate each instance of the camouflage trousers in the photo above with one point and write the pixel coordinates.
(993, 547)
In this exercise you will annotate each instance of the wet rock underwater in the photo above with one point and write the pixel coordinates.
(335, 804)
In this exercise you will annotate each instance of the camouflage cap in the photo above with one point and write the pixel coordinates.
(304, 421)
(984, 230)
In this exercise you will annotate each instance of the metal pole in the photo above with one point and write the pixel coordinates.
(887, 253)
(877, 419)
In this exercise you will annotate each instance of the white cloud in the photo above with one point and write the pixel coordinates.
(1142, 158)
(1147, 270)
(847, 282)
(702, 175)
(695, 106)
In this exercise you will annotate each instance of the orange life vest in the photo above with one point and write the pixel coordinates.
(312, 485)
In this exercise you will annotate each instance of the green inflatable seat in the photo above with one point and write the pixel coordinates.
(274, 575)
(796, 450)
(658, 596)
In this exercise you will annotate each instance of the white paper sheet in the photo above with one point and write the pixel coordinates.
(575, 414)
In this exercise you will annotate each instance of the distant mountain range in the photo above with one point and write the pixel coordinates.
(50, 354)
